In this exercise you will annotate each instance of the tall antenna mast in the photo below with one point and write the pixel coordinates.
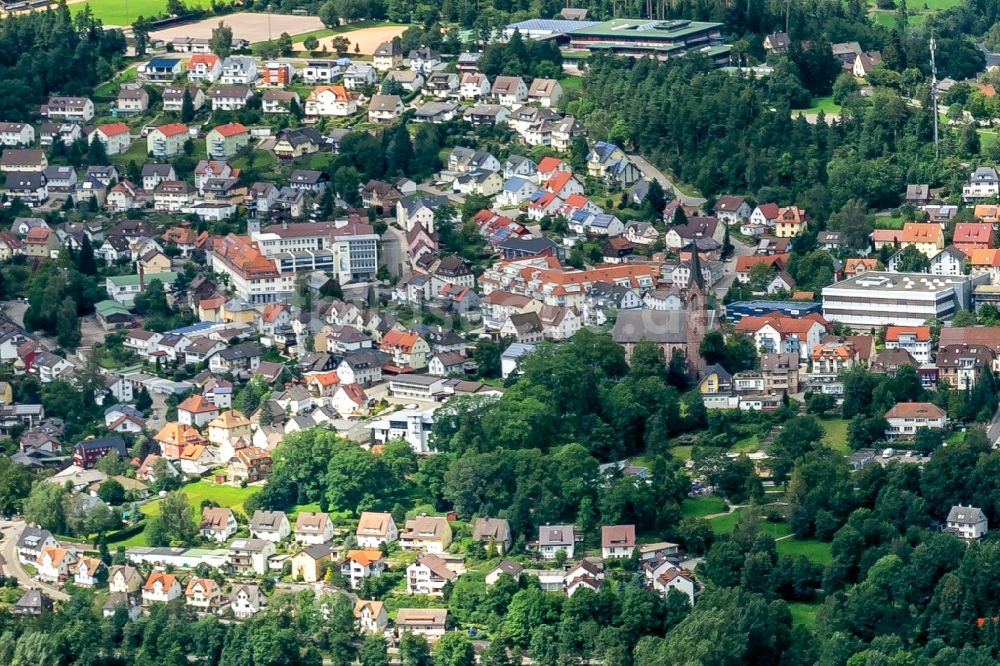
(934, 98)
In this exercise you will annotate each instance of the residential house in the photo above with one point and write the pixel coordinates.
(313, 527)
(55, 564)
(277, 73)
(358, 76)
(79, 109)
(967, 522)
(424, 60)
(197, 411)
(270, 525)
(16, 135)
(173, 98)
(360, 564)
(442, 84)
(474, 86)
(116, 137)
(609, 163)
(791, 222)
(509, 91)
(431, 534)
(431, 623)
(374, 529)
(308, 564)
(203, 595)
(617, 541)
(249, 464)
(495, 532)
(428, 575)
(167, 140)
(906, 417)
(370, 616)
(31, 542)
(279, 101)
(160, 587)
(914, 339)
(555, 538)
(87, 452)
(238, 70)
(385, 108)
(246, 601)
(251, 556)
(334, 101)
(32, 189)
(731, 209)
(225, 141)
(204, 67)
(388, 55)
(217, 524)
(545, 92)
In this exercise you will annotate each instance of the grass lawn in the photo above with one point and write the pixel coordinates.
(726, 524)
(682, 453)
(836, 435)
(702, 506)
(348, 27)
(817, 551)
(113, 12)
(824, 104)
(134, 540)
(571, 83)
(746, 445)
(227, 496)
(986, 138)
(803, 613)
(955, 438)
(889, 222)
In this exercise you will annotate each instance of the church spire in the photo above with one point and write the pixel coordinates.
(697, 278)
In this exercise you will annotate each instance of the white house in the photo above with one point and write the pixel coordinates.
(375, 528)
(555, 538)
(428, 575)
(967, 522)
(270, 525)
(617, 541)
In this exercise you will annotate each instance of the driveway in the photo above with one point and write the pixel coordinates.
(11, 530)
(741, 249)
(649, 172)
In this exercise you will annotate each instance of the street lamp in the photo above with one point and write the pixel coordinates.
(270, 8)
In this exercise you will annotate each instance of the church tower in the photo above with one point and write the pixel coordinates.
(697, 317)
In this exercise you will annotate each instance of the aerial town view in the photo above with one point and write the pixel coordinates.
(370, 332)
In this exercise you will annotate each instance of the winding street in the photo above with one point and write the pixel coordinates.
(650, 171)
(11, 531)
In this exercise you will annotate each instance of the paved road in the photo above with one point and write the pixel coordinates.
(8, 548)
(993, 428)
(741, 249)
(650, 171)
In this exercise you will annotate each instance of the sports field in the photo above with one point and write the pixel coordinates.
(366, 39)
(253, 27)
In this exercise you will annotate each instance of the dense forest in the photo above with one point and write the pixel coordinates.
(51, 52)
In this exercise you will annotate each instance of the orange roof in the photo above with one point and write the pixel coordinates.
(196, 404)
(207, 59)
(985, 210)
(401, 339)
(192, 451)
(577, 200)
(325, 378)
(211, 303)
(830, 350)
(272, 311)
(860, 264)
(365, 556)
(548, 164)
(558, 181)
(339, 92)
(113, 129)
(922, 333)
(355, 393)
(167, 580)
(987, 89)
(911, 410)
(920, 232)
(55, 553)
(242, 255)
(783, 324)
(178, 433)
(985, 256)
(231, 129)
(173, 129)
(37, 235)
(792, 215)
(745, 263)
(230, 418)
(207, 585)
(180, 235)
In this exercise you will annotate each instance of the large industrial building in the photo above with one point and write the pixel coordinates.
(878, 299)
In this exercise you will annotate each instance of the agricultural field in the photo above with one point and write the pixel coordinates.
(917, 12)
(363, 41)
(123, 12)
(253, 27)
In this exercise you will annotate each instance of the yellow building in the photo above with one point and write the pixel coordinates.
(791, 222)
